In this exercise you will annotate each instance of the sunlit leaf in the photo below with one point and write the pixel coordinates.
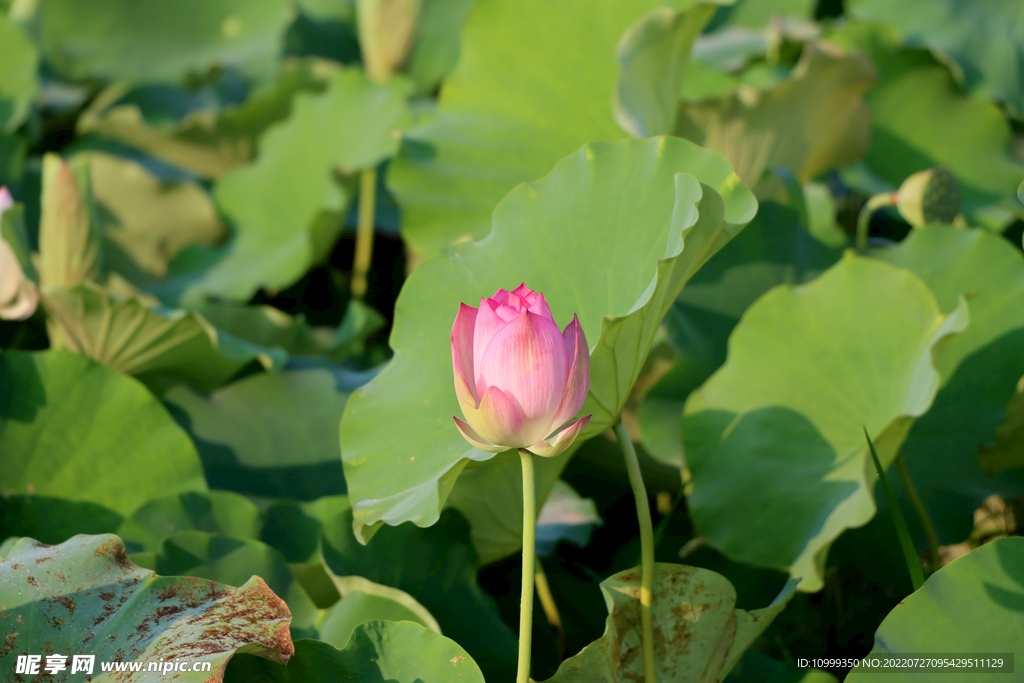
(628, 213)
(18, 83)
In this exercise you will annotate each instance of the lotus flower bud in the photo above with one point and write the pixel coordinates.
(929, 196)
(518, 379)
(18, 297)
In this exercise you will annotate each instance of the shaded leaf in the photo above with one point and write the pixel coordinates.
(219, 512)
(268, 434)
(70, 428)
(979, 369)
(276, 204)
(119, 612)
(362, 601)
(379, 652)
(618, 213)
(777, 451)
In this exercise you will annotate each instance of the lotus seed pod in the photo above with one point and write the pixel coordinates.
(929, 196)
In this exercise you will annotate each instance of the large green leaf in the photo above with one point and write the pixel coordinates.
(276, 204)
(220, 512)
(602, 236)
(971, 606)
(268, 434)
(506, 114)
(129, 337)
(18, 83)
(914, 105)
(71, 428)
(363, 600)
(85, 597)
(123, 40)
(379, 652)
(436, 48)
(980, 369)
(434, 566)
(775, 438)
(812, 121)
(698, 633)
(773, 250)
(984, 41)
(53, 520)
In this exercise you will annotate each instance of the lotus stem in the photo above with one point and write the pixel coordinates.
(529, 567)
(643, 513)
(869, 208)
(922, 513)
(364, 231)
(547, 601)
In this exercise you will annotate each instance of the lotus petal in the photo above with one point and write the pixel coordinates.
(549, 448)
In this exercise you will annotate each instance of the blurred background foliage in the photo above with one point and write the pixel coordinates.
(189, 178)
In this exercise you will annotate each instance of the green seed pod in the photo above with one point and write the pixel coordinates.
(929, 196)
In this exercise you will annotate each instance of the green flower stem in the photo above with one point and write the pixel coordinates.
(364, 231)
(643, 513)
(922, 513)
(529, 566)
(864, 217)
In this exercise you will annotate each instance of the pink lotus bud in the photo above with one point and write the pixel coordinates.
(519, 380)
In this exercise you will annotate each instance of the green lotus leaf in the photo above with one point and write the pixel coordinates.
(70, 428)
(1007, 452)
(773, 250)
(982, 42)
(757, 13)
(205, 142)
(119, 40)
(270, 434)
(809, 123)
(436, 567)
(611, 213)
(378, 652)
(18, 81)
(281, 205)
(219, 512)
(436, 49)
(971, 606)
(775, 438)
(362, 600)
(699, 635)
(980, 369)
(127, 336)
(755, 667)
(914, 105)
(653, 58)
(85, 597)
(506, 115)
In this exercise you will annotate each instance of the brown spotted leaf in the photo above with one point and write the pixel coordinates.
(85, 597)
(698, 633)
